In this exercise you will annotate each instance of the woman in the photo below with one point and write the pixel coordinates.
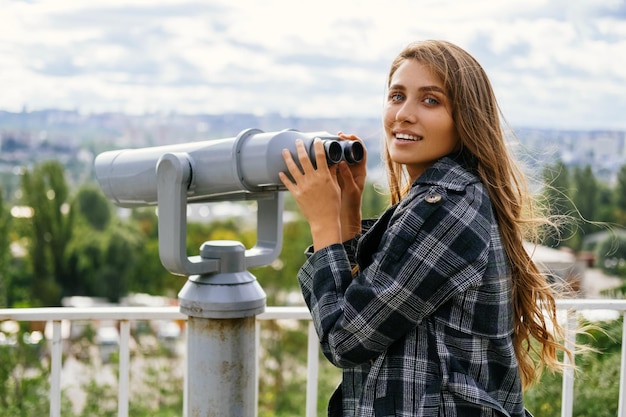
(430, 310)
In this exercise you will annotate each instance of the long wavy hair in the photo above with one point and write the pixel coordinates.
(477, 118)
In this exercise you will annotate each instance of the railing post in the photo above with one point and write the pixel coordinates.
(567, 396)
(221, 341)
(56, 359)
(312, 371)
(124, 369)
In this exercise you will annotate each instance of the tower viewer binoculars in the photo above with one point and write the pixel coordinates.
(220, 169)
(245, 167)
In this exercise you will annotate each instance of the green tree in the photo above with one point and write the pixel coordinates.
(102, 263)
(122, 246)
(102, 254)
(163, 396)
(149, 276)
(45, 190)
(606, 210)
(84, 254)
(585, 198)
(596, 385)
(585, 195)
(101, 399)
(282, 348)
(620, 196)
(5, 252)
(24, 388)
(611, 255)
(93, 206)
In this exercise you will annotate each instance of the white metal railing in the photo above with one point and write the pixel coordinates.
(125, 315)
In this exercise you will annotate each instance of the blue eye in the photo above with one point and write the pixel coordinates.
(431, 100)
(396, 97)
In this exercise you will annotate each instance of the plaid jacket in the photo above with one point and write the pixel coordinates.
(425, 328)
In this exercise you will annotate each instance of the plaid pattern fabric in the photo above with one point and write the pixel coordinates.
(425, 328)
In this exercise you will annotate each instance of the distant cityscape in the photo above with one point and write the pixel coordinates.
(74, 139)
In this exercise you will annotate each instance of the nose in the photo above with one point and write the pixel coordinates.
(405, 113)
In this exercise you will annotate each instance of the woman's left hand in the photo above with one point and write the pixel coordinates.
(351, 180)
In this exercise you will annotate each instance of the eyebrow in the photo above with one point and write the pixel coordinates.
(426, 88)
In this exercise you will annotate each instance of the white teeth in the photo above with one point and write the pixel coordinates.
(408, 137)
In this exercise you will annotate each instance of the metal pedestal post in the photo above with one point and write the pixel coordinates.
(221, 340)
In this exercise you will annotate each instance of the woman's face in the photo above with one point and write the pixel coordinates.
(417, 117)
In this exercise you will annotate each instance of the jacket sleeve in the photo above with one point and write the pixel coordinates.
(429, 254)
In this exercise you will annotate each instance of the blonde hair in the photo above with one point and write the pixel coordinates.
(476, 115)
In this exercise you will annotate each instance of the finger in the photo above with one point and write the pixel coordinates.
(344, 175)
(287, 182)
(320, 154)
(292, 167)
(334, 172)
(347, 137)
(303, 157)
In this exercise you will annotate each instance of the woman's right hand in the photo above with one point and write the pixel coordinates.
(316, 190)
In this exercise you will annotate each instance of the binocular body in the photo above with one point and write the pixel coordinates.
(221, 169)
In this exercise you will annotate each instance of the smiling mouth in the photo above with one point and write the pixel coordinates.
(411, 138)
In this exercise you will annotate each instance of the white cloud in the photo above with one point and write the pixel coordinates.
(550, 60)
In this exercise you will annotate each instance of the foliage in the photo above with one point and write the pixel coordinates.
(102, 252)
(592, 215)
(100, 399)
(80, 245)
(613, 255)
(283, 370)
(45, 190)
(93, 206)
(596, 387)
(620, 195)
(163, 394)
(328, 380)
(24, 389)
(586, 196)
(5, 248)
(149, 276)
(156, 390)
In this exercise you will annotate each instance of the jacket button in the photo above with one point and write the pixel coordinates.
(433, 198)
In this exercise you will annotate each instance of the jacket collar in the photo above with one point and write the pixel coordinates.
(453, 172)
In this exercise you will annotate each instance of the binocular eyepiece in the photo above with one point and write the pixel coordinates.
(351, 151)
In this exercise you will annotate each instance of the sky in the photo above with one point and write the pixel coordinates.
(553, 63)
